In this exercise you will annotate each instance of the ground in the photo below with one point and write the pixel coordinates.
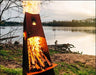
(75, 58)
(68, 63)
(74, 64)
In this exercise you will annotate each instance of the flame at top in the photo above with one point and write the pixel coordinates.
(32, 7)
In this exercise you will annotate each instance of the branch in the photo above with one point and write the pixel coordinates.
(1, 1)
(17, 10)
(12, 18)
(4, 9)
(9, 32)
(15, 6)
(7, 6)
(8, 38)
(11, 2)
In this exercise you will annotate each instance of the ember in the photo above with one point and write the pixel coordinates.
(36, 56)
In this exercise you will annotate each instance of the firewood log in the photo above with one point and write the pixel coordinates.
(47, 60)
(37, 66)
(41, 63)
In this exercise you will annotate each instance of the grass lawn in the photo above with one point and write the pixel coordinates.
(73, 69)
(63, 68)
(8, 71)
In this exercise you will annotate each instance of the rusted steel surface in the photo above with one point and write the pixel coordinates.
(36, 58)
(32, 30)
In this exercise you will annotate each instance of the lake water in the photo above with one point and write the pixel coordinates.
(83, 38)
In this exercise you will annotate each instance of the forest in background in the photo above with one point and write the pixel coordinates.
(73, 23)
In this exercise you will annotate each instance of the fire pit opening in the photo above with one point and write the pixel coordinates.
(36, 54)
(33, 21)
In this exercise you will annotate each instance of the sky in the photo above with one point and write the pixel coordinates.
(61, 11)
(67, 10)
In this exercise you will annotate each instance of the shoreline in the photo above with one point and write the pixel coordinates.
(59, 48)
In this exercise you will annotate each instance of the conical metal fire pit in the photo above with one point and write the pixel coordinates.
(36, 58)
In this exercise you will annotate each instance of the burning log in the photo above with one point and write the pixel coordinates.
(35, 50)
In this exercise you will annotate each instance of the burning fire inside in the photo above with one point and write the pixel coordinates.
(31, 6)
(34, 23)
(37, 58)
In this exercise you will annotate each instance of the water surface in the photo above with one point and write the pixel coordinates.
(83, 38)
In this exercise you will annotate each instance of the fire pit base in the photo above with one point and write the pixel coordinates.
(49, 68)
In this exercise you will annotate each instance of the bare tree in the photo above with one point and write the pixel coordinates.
(13, 5)
(5, 5)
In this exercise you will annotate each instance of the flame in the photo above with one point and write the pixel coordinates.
(34, 23)
(32, 7)
(25, 35)
(37, 58)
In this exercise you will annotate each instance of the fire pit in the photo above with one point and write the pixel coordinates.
(36, 58)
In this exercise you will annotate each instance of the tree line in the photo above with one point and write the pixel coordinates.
(4, 23)
(73, 23)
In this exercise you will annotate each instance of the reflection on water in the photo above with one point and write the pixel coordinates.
(76, 29)
(83, 38)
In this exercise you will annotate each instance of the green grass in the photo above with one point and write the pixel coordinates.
(15, 55)
(3, 53)
(73, 69)
(62, 68)
(17, 71)
(53, 52)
